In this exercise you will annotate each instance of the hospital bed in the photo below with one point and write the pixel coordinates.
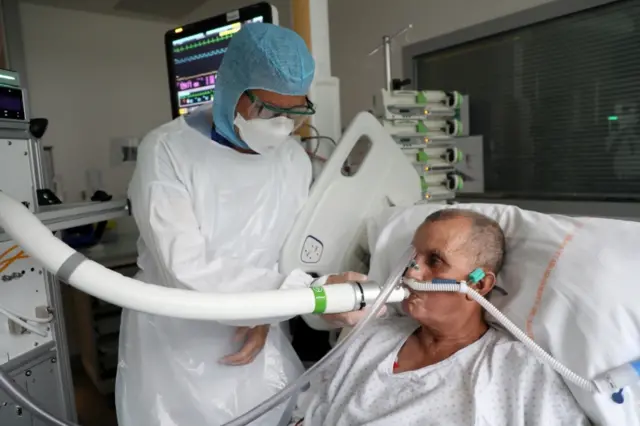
(571, 281)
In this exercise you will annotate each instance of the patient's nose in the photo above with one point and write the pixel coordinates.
(418, 270)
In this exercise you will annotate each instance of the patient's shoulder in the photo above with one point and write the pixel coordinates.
(510, 353)
(506, 347)
(523, 376)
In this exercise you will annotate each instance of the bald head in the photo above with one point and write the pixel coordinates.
(484, 238)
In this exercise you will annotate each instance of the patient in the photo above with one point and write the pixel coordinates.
(442, 364)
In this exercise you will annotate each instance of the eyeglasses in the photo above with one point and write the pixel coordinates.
(299, 114)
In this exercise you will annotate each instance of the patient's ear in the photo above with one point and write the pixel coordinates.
(485, 285)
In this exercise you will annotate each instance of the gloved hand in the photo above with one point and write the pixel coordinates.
(348, 319)
(255, 339)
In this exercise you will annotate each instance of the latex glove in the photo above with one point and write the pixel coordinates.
(348, 319)
(254, 340)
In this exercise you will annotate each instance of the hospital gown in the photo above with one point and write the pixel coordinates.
(494, 381)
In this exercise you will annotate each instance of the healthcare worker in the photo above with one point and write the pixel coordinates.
(214, 195)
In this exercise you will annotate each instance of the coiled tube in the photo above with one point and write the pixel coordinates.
(452, 286)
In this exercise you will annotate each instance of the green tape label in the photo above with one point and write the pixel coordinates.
(320, 299)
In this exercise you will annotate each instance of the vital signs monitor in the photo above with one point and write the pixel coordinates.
(194, 53)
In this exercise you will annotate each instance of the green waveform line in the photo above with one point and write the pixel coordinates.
(201, 43)
(197, 95)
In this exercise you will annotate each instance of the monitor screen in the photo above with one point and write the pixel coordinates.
(194, 54)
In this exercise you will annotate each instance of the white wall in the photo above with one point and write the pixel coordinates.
(95, 77)
(215, 7)
(357, 27)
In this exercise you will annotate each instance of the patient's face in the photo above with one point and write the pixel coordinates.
(442, 252)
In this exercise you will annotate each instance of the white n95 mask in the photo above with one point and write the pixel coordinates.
(264, 135)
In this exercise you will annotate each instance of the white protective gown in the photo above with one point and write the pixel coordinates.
(212, 220)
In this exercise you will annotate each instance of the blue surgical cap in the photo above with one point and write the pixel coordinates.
(259, 56)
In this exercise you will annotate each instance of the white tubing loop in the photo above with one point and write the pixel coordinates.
(22, 322)
(94, 279)
(540, 353)
(28, 318)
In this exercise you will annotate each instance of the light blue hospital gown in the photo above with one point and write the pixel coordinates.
(495, 381)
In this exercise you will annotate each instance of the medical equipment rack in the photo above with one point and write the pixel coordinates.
(425, 124)
(39, 363)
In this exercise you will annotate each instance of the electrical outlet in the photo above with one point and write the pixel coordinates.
(311, 250)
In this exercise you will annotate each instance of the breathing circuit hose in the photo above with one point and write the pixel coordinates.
(292, 389)
(452, 286)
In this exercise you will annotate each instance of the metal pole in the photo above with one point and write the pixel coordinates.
(386, 46)
(386, 42)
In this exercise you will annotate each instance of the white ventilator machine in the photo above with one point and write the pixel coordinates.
(33, 346)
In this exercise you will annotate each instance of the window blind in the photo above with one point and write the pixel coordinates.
(558, 102)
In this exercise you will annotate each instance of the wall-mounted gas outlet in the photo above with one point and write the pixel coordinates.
(311, 250)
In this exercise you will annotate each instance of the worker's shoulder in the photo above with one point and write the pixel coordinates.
(296, 150)
(161, 134)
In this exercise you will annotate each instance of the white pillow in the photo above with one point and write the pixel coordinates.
(573, 285)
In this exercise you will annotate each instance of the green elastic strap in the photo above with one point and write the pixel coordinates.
(320, 300)
(422, 157)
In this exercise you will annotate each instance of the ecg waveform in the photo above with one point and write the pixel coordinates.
(201, 43)
(199, 56)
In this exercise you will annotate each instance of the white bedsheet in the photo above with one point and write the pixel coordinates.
(495, 381)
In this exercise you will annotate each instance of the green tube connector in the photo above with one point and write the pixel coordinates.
(423, 184)
(422, 157)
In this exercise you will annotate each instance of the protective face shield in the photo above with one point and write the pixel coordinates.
(264, 110)
(264, 136)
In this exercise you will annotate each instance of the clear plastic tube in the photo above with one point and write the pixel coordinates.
(332, 356)
(22, 323)
(28, 319)
(452, 286)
